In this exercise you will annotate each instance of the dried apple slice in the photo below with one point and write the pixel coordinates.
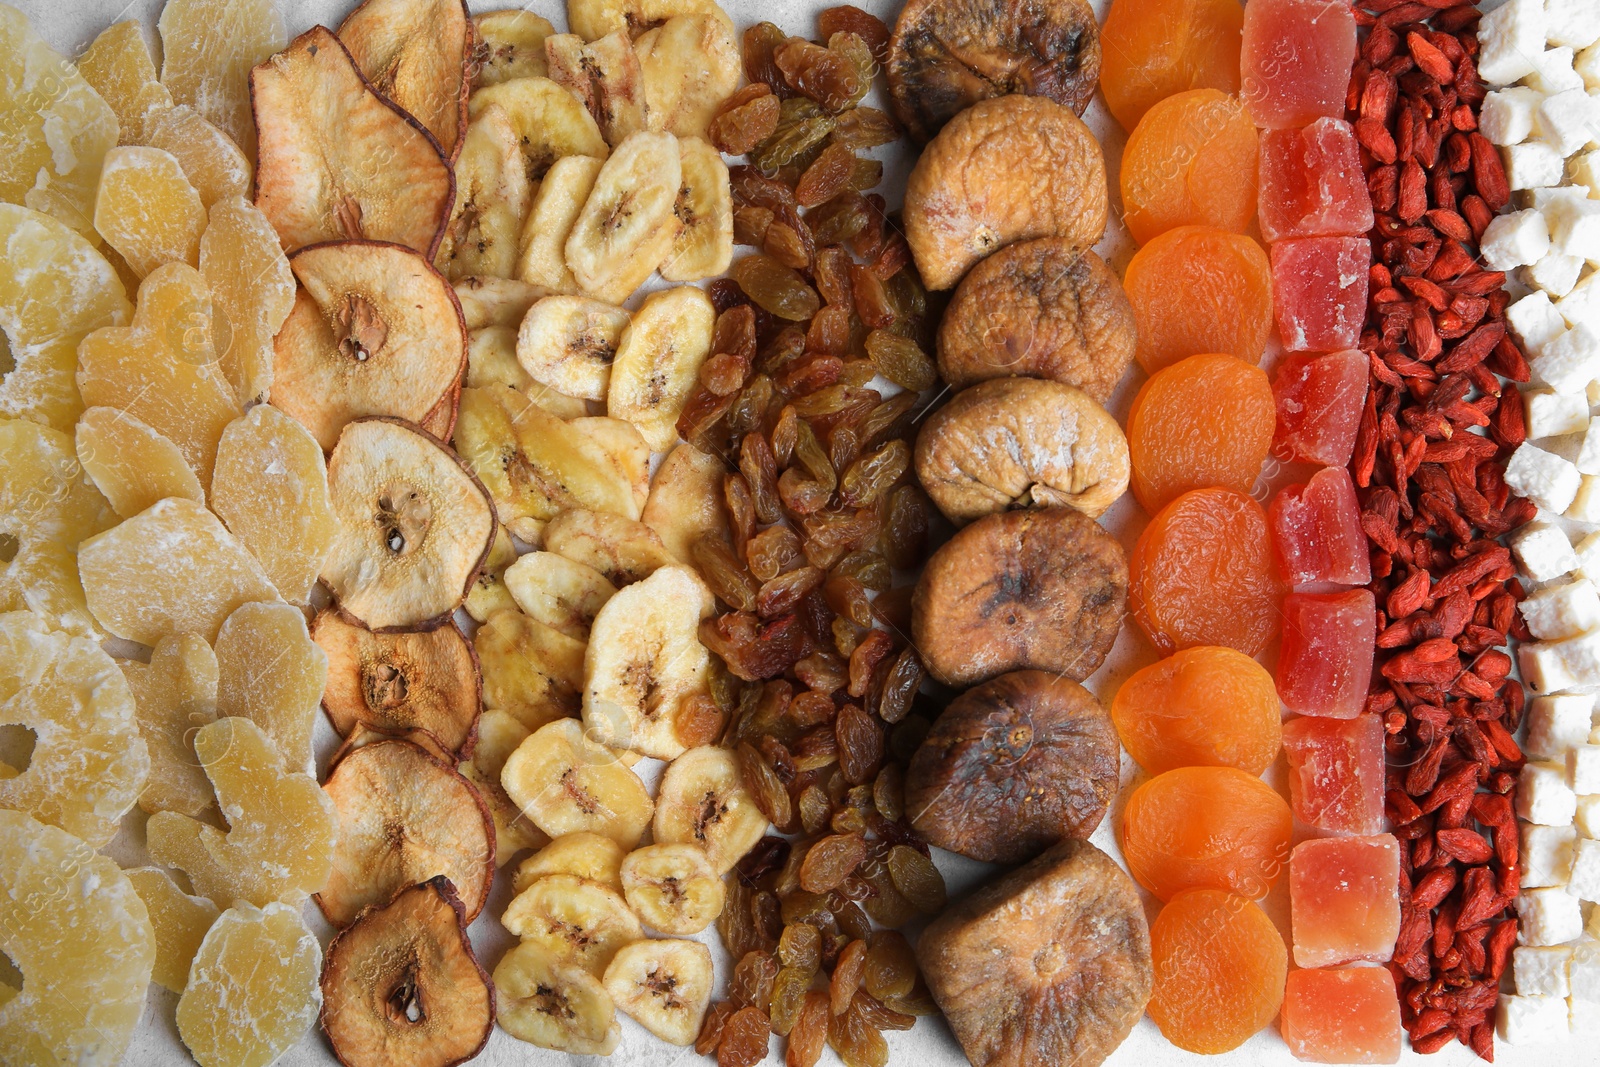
(551, 123)
(510, 44)
(174, 695)
(556, 206)
(180, 922)
(402, 984)
(489, 301)
(337, 160)
(146, 209)
(252, 285)
(558, 592)
(565, 782)
(605, 74)
(270, 672)
(531, 670)
(499, 735)
(132, 464)
(554, 1003)
(415, 53)
(492, 199)
(207, 50)
(414, 526)
(404, 817)
(119, 67)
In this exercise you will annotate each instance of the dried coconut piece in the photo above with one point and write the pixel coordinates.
(252, 285)
(531, 670)
(492, 198)
(208, 48)
(337, 160)
(271, 488)
(270, 672)
(253, 989)
(213, 163)
(164, 367)
(130, 463)
(147, 210)
(118, 65)
(57, 127)
(54, 289)
(89, 763)
(499, 734)
(281, 826)
(174, 695)
(170, 569)
(180, 922)
(77, 931)
(415, 52)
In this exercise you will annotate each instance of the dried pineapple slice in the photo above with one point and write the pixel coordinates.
(499, 734)
(532, 671)
(174, 695)
(492, 198)
(132, 464)
(252, 285)
(253, 990)
(89, 763)
(596, 18)
(489, 593)
(147, 210)
(271, 488)
(57, 127)
(281, 826)
(163, 368)
(171, 568)
(207, 50)
(510, 44)
(72, 923)
(686, 501)
(270, 672)
(180, 922)
(415, 52)
(54, 289)
(214, 165)
(551, 123)
(119, 67)
(556, 207)
(489, 301)
(690, 65)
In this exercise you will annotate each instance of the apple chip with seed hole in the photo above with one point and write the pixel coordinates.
(180, 922)
(337, 160)
(132, 464)
(270, 672)
(499, 734)
(402, 984)
(414, 526)
(174, 695)
(531, 670)
(404, 816)
(375, 330)
(415, 52)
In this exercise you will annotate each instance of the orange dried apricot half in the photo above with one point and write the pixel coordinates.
(1154, 48)
(1206, 828)
(1190, 161)
(1199, 289)
(1203, 707)
(1220, 967)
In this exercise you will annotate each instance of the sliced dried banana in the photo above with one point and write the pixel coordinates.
(554, 1003)
(658, 362)
(628, 224)
(558, 592)
(492, 199)
(686, 502)
(672, 888)
(617, 445)
(510, 45)
(487, 301)
(488, 593)
(703, 801)
(589, 856)
(529, 670)
(550, 122)
(704, 247)
(664, 985)
(605, 75)
(499, 734)
(492, 358)
(565, 782)
(573, 919)
(592, 19)
(691, 65)
(569, 342)
(622, 550)
(556, 206)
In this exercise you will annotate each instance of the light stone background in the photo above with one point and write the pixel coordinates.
(69, 25)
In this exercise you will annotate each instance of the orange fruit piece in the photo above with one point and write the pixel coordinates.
(1203, 707)
(1191, 161)
(1151, 49)
(1206, 828)
(1220, 968)
(1202, 574)
(1204, 421)
(1199, 289)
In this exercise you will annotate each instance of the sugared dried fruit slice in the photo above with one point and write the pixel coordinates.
(1206, 827)
(1191, 161)
(252, 285)
(499, 735)
(253, 988)
(658, 361)
(147, 210)
(1155, 48)
(174, 695)
(339, 161)
(664, 984)
(551, 123)
(118, 65)
(402, 983)
(1198, 289)
(281, 826)
(510, 44)
(571, 919)
(73, 926)
(531, 670)
(565, 782)
(1202, 707)
(403, 818)
(207, 50)
(270, 672)
(554, 1003)
(414, 525)
(416, 55)
(690, 65)
(171, 568)
(88, 763)
(179, 920)
(628, 224)
(1220, 966)
(493, 195)
(130, 463)
(703, 801)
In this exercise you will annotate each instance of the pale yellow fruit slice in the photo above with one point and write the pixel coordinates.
(556, 207)
(180, 922)
(566, 782)
(415, 53)
(623, 550)
(554, 1003)
(606, 77)
(132, 464)
(704, 247)
(489, 593)
(510, 44)
(174, 695)
(492, 198)
(270, 672)
(77, 931)
(530, 670)
(119, 67)
(252, 285)
(686, 501)
(558, 592)
(551, 123)
(690, 64)
(589, 856)
(207, 50)
(596, 18)
(574, 919)
(628, 223)
(214, 165)
(664, 984)
(658, 362)
(489, 301)
(499, 734)
(147, 210)
(492, 359)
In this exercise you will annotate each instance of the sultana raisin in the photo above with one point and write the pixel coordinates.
(802, 127)
(900, 687)
(905, 539)
(810, 454)
(879, 1016)
(830, 861)
(744, 1038)
(711, 1030)
(788, 240)
(810, 1031)
(891, 966)
(745, 119)
(874, 474)
(888, 419)
(864, 127)
(829, 332)
(872, 299)
(761, 43)
(788, 994)
(865, 659)
(782, 593)
(822, 671)
(827, 177)
(867, 566)
(829, 76)
(866, 175)
(846, 976)
(869, 27)
(854, 48)
(840, 219)
(853, 922)
(899, 359)
(777, 288)
(762, 783)
(752, 979)
(860, 744)
(815, 809)
(848, 598)
(773, 551)
(760, 470)
(724, 373)
(801, 947)
(741, 510)
(750, 225)
(750, 409)
(917, 879)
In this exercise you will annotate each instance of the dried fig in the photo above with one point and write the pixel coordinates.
(1039, 309)
(1012, 767)
(946, 55)
(1020, 441)
(1045, 589)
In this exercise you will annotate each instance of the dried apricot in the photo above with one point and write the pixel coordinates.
(1206, 828)
(1199, 289)
(1204, 421)
(1220, 967)
(1202, 574)
(1154, 48)
(1203, 707)
(1191, 161)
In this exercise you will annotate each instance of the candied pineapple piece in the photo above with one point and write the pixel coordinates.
(163, 368)
(89, 763)
(174, 695)
(147, 210)
(279, 845)
(171, 568)
(207, 50)
(531, 670)
(72, 923)
(254, 988)
(271, 488)
(118, 66)
(57, 128)
(270, 672)
(46, 507)
(180, 922)
(132, 464)
(251, 284)
(214, 165)
(54, 289)
(499, 734)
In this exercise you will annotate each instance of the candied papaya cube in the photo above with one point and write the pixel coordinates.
(1316, 531)
(1295, 60)
(1342, 1015)
(1319, 406)
(1336, 773)
(1326, 660)
(1344, 899)
(1319, 292)
(1311, 182)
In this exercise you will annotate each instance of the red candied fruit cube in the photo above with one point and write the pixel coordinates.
(1319, 292)
(1336, 773)
(1319, 406)
(1344, 899)
(1312, 183)
(1342, 1015)
(1295, 60)
(1316, 531)
(1325, 662)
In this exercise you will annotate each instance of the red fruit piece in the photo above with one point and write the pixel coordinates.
(1312, 183)
(1319, 292)
(1336, 773)
(1344, 1015)
(1295, 60)
(1316, 531)
(1319, 406)
(1344, 899)
(1325, 663)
